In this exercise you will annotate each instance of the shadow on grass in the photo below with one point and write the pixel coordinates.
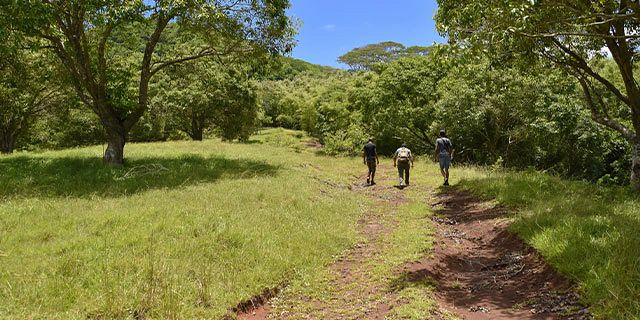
(585, 231)
(33, 176)
(251, 141)
(411, 279)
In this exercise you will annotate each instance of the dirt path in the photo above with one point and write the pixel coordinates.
(479, 270)
(484, 272)
(354, 291)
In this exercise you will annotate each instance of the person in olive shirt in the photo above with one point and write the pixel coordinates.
(401, 158)
(444, 154)
(370, 158)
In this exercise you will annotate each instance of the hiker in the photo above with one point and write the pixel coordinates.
(401, 159)
(370, 158)
(444, 154)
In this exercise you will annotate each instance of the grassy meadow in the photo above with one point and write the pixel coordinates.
(189, 229)
(183, 230)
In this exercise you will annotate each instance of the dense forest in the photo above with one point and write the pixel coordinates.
(173, 80)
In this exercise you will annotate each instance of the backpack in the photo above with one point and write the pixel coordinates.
(404, 154)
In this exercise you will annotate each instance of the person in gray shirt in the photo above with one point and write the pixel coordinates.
(444, 154)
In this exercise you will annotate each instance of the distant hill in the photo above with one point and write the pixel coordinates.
(291, 67)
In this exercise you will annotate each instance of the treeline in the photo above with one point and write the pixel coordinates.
(77, 73)
(209, 97)
(496, 114)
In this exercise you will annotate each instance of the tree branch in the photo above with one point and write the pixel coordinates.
(577, 34)
(207, 52)
(581, 64)
(162, 65)
(422, 139)
(602, 117)
(145, 74)
(70, 65)
(102, 62)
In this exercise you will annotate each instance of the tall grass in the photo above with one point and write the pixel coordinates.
(587, 232)
(183, 230)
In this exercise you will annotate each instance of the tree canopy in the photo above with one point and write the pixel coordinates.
(573, 35)
(111, 70)
(366, 58)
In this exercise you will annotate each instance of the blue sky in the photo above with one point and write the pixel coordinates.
(333, 27)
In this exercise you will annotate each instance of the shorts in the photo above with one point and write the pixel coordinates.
(445, 161)
(372, 165)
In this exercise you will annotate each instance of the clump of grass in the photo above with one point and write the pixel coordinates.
(414, 303)
(586, 231)
(412, 238)
(280, 137)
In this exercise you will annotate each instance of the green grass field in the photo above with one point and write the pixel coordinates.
(190, 229)
(183, 230)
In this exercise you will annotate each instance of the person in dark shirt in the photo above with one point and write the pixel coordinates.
(444, 154)
(370, 158)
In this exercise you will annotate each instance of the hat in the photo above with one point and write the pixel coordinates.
(443, 133)
(404, 145)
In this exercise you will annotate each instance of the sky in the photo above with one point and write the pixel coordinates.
(331, 28)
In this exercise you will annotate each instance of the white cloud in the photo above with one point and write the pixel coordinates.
(329, 27)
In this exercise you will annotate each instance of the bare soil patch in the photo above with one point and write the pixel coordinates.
(256, 307)
(482, 271)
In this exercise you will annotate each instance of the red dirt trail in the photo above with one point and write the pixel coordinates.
(479, 269)
(482, 271)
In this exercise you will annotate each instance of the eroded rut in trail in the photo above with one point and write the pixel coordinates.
(479, 269)
(482, 271)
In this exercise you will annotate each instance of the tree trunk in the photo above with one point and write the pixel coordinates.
(197, 134)
(197, 128)
(7, 143)
(114, 155)
(635, 167)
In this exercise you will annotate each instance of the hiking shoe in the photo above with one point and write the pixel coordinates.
(373, 182)
(367, 180)
(446, 183)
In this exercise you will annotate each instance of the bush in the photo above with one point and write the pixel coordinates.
(345, 142)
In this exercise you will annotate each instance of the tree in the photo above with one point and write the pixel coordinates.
(521, 119)
(186, 96)
(204, 94)
(237, 105)
(404, 97)
(89, 38)
(367, 57)
(571, 35)
(26, 91)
